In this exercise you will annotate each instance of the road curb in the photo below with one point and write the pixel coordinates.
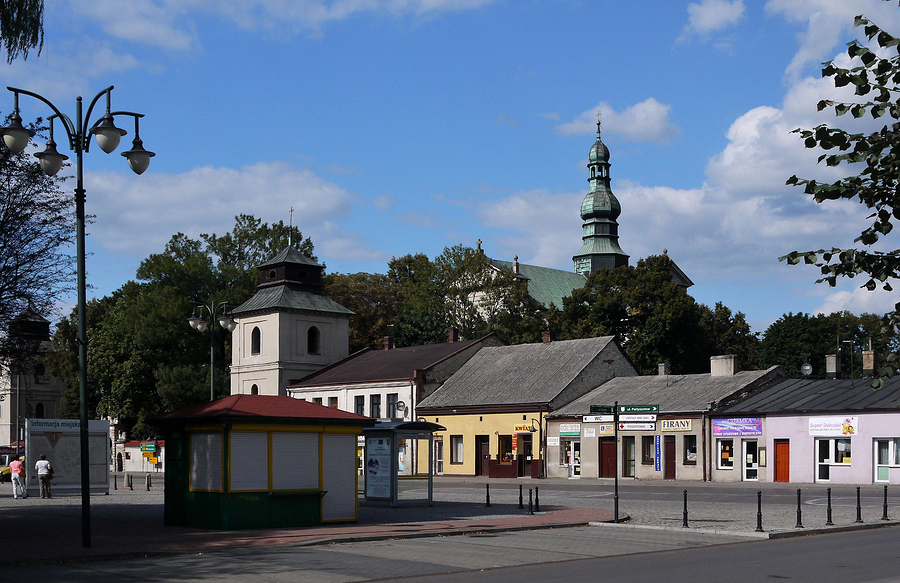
(753, 534)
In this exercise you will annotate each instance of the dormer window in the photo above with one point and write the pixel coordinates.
(273, 274)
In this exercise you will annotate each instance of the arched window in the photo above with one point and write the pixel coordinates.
(313, 341)
(40, 371)
(255, 341)
(254, 390)
(39, 411)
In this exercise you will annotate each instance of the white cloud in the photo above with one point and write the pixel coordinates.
(857, 300)
(136, 217)
(711, 16)
(647, 121)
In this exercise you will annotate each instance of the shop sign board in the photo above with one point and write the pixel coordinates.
(833, 426)
(552, 441)
(570, 428)
(676, 424)
(737, 427)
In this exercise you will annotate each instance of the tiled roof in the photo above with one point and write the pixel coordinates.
(263, 407)
(673, 393)
(521, 374)
(288, 255)
(806, 395)
(547, 286)
(384, 365)
(288, 297)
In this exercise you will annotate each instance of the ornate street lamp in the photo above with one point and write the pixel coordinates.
(215, 312)
(16, 138)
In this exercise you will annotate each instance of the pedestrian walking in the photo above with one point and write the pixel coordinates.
(17, 473)
(45, 474)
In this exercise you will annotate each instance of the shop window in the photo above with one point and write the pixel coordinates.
(375, 406)
(628, 456)
(456, 449)
(647, 449)
(690, 449)
(359, 404)
(726, 454)
(332, 402)
(506, 452)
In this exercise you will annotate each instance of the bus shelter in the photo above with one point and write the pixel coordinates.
(382, 465)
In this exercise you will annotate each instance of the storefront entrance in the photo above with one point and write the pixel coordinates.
(607, 457)
(782, 460)
(573, 457)
(750, 461)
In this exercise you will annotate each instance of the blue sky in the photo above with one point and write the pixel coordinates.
(406, 126)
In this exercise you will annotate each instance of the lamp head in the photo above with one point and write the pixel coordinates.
(138, 157)
(15, 135)
(51, 159)
(107, 134)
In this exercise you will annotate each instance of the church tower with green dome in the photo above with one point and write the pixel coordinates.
(599, 211)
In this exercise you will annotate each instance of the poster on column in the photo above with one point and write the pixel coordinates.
(378, 467)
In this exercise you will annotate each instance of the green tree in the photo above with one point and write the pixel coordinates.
(420, 318)
(21, 27)
(374, 301)
(37, 228)
(875, 163)
(655, 320)
(730, 333)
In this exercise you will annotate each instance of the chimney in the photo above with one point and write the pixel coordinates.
(868, 364)
(388, 342)
(723, 366)
(664, 369)
(545, 336)
(832, 366)
(454, 335)
(516, 264)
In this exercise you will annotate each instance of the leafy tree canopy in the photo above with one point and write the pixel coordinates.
(374, 301)
(21, 27)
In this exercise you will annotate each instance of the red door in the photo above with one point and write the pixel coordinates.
(782, 460)
(669, 458)
(607, 457)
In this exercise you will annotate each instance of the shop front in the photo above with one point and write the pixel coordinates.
(739, 449)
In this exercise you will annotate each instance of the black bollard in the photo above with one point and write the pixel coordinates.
(530, 504)
(115, 486)
(885, 516)
(537, 500)
(858, 507)
(828, 520)
(130, 483)
(685, 525)
(759, 527)
(487, 495)
(799, 522)
(148, 482)
(521, 505)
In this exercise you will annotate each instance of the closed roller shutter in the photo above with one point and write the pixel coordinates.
(295, 461)
(206, 462)
(249, 460)
(339, 477)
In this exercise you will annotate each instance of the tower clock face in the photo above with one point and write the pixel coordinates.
(582, 264)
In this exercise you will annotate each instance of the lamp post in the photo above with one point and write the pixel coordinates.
(215, 312)
(79, 131)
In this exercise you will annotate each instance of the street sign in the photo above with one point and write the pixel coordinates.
(640, 417)
(639, 409)
(601, 410)
(147, 454)
(637, 426)
(153, 461)
(148, 446)
(598, 419)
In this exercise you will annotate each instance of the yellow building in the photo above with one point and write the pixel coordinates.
(494, 407)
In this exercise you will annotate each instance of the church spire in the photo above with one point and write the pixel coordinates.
(599, 211)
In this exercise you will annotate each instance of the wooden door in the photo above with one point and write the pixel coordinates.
(483, 463)
(782, 460)
(607, 457)
(669, 458)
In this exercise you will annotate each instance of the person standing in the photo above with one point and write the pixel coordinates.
(17, 473)
(45, 473)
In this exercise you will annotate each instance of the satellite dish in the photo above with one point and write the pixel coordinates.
(806, 369)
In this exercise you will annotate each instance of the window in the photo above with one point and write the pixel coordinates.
(317, 400)
(332, 402)
(254, 390)
(313, 341)
(505, 448)
(726, 454)
(690, 449)
(392, 406)
(375, 406)
(628, 456)
(456, 449)
(647, 449)
(39, 411)
(255, 341)
(40, 374)
(359, 404)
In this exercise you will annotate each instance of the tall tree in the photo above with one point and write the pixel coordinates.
(374, 301)
(875, 162)
(37, 227)
(730, 333)
(21, 27)
(655, 320)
